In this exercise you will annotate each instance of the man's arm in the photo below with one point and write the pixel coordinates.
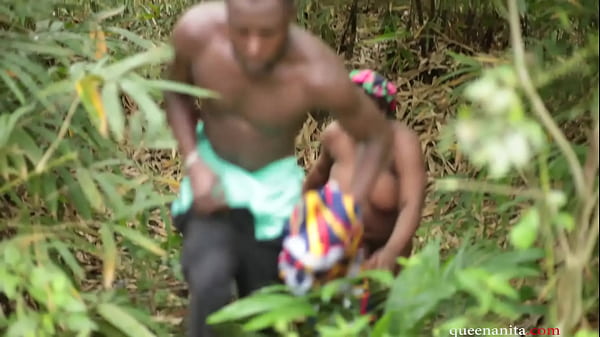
(409, 163)
(181, 110)
(319, 172)
(358, 115)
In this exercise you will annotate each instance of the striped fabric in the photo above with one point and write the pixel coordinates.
(322, 238)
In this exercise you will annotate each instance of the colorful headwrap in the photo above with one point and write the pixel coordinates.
(376, 86)
(322, 238)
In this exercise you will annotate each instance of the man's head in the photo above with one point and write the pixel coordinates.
(378, 88)
(258, 30)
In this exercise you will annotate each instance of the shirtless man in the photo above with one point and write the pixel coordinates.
(394, 206)
(242, 178)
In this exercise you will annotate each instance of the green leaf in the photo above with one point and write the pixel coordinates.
(57, 88)
(154, 115)
(90, 190)
(135, 127)
(9, 121)
(107, 185)
(18, 162)
(382, 325)
(123, 321)
(106, 14)
(151, 57)
(331, 288)
(114, 109)
(501, 286)
(5, 169)
(76, 195)
(12, 85)
(586, 333)
(89, 93)
(181, 88)
(26, 143)
(132, 37)
(50, 193)
(524, 233)
(385, 277)
(297, 311)
(253, 305)
(565, 220)
(69, 259)
(140, 240)
(109, 260)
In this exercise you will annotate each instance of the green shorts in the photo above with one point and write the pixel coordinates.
(270, 193)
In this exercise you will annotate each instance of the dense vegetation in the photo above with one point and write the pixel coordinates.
(504, 95)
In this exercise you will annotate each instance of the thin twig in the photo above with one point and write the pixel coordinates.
(39, 168)
(538, 105)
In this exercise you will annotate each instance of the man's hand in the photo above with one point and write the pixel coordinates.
(384, 259)
(207, 199)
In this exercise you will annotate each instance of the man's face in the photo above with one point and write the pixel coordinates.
(258, 31)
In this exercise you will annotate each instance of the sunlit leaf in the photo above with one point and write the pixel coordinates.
(154, 115)
(114, 109)
(8, 122)
(89, 93)
(12, 84)
(256, 304)
(140, 240)
(89, 188)
(524, 233)
(151, 57)
(181, 88)
(76, 195)
(294, 312)
(108, 186)
(146, 44)
(21, 138)
(109, 261)
(123, 321)
(69, 258)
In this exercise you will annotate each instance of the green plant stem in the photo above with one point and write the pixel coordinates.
(538, 105)
(584, 222)
(549, 233)
(592, 236)
(39, 168)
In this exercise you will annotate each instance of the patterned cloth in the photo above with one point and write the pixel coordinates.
(376, 86)
(322, 238)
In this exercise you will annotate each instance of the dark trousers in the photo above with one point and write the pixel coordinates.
(216, 250)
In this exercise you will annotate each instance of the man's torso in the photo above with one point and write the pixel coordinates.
(254, 122)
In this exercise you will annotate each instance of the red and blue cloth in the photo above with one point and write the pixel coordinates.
(322, 239)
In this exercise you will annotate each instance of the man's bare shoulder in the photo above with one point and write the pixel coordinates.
(323, 66)
(199, 24)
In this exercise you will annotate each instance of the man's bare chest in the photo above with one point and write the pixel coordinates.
(278, 102)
